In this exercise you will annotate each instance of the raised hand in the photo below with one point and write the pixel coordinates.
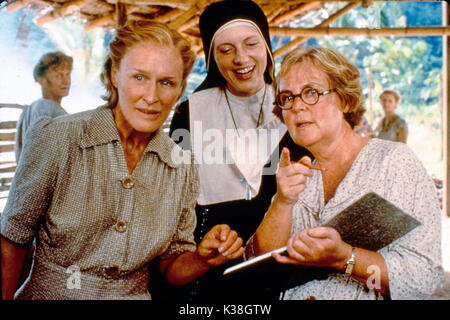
(291, 177)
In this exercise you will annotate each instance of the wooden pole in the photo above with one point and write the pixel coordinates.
(446, 101)
(351, 32)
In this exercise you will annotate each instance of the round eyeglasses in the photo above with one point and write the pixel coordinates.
(285, 99)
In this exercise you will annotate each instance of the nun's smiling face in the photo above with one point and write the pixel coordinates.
(241, 57)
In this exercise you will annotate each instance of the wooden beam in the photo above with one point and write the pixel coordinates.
(446, 108)
(331, 19)
(275, 11)
(101, 22)
(6, 148)
(195, 9)
(351, 32)
(170, 15)
(8, 169)
(296, 12)
(68, 7)
(8, 125)
(11, 105)
(180, 4)
(7, 136)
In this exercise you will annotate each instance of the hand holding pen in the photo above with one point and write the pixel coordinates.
(291, 177)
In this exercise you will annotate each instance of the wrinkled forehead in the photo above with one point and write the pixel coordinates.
(235, 30)
(303, 73)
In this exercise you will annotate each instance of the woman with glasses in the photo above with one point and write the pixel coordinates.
(320, 100)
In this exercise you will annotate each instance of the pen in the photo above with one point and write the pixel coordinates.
(313, 167)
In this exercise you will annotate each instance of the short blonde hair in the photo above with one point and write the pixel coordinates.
(51, 60)
(133, 33)
(394, 93)
(342, 75)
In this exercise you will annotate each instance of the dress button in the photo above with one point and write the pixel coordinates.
(311, 298)
(128, 183)
(121, 226)
(111, 271)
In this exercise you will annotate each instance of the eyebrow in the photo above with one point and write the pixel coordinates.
(167, 76)
(313, 85)
(251, 37)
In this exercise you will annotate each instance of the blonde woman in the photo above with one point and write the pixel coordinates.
(101, 192)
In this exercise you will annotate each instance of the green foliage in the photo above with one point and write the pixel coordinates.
(407, 65)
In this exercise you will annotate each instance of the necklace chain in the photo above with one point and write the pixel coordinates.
(260, 109)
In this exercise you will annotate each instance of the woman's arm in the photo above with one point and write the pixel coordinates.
(323, 247)
(274, 230)
(218, 246)
(12, 262)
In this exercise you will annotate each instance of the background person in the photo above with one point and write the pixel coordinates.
(101, 191)
(320, 100)
(236, 96)
(392, 127)
(53, 73)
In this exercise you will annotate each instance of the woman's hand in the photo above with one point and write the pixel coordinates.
(220, 245)
(291, 178)
(321, 246)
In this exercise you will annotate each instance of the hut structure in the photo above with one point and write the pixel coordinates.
(183, 15)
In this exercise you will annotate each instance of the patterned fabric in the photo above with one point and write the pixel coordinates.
(73, 189)
(391, 132)
(413, 261)
(39, 108)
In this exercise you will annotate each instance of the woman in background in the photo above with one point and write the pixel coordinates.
(392, 127)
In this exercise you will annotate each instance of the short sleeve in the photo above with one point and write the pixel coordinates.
(32, 187)
(183, 240)
(414, 261)
(403, 125)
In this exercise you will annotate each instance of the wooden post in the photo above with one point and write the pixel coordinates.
(446, 105)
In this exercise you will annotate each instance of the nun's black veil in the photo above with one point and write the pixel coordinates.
(215, 16)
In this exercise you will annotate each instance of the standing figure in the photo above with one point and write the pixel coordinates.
(392, 127)
(101, 192)
(52, 72)
(229, 125)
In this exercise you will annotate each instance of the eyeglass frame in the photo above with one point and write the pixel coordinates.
(299, 95)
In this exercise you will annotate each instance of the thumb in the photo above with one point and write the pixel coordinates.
(306, 160)
(285, 158)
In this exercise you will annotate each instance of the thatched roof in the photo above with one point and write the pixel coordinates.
(183, 15)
